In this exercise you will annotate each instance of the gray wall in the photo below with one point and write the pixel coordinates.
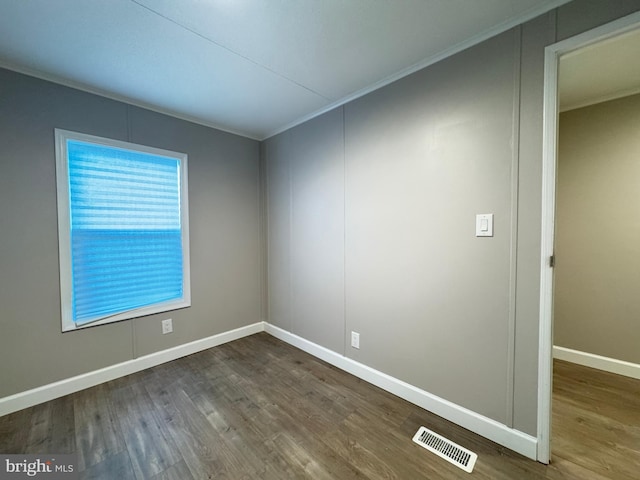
(225, 240)
(306, 230)
(423, 157)
(597, 306)
(370, 225)
(397, 177)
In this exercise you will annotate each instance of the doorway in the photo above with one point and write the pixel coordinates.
(556, 56)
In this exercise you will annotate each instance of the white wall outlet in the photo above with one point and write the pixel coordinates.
(167, 326)
(355, 339)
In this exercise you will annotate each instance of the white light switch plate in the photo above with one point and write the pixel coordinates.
(484, 225)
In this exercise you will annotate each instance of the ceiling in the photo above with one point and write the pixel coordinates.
(253, 67)
(600, 72)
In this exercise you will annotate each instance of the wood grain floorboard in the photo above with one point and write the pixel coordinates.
(148, 442)
(41, 424)
(177, 471)
(45, 434)
(14, 431)
(97, 428)
(116, 466)
(258, 408)
(596, 420)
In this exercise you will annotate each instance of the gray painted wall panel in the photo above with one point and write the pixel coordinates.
(597, 307)
(225, 233)
(535, 36)
(278, 231)
(317, 230)
(579, 16)
(423, 157)
(306, 230)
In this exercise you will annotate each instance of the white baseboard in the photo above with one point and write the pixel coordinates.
(486, 427)
(513, 439)
(607, 364)
(21, 400)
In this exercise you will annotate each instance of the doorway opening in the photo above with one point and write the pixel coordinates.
(560, 66)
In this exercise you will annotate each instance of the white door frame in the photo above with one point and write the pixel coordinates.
(549, 160)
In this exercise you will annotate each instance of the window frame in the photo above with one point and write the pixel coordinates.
(64, 229)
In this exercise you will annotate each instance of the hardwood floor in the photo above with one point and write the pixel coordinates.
(258, 408)
(596, 421)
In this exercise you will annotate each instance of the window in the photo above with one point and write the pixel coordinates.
(123, 230)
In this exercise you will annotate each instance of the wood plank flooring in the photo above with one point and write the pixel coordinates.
(258, 408)
(596, 422)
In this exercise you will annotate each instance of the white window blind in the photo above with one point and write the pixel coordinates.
(125, 232)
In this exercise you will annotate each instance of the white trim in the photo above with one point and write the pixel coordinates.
(550, 117)
(608, 364)
(21, 400)
(486, 427)
(545, 333)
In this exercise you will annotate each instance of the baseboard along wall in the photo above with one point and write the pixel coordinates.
(612, 365)
(513, 439)
(42, 394)
(508, 437)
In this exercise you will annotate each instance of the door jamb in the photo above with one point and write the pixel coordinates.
(549, 162)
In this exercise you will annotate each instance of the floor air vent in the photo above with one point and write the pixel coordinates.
(446, 449)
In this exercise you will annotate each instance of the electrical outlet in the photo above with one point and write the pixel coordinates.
(355, 339)
(167, 326)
